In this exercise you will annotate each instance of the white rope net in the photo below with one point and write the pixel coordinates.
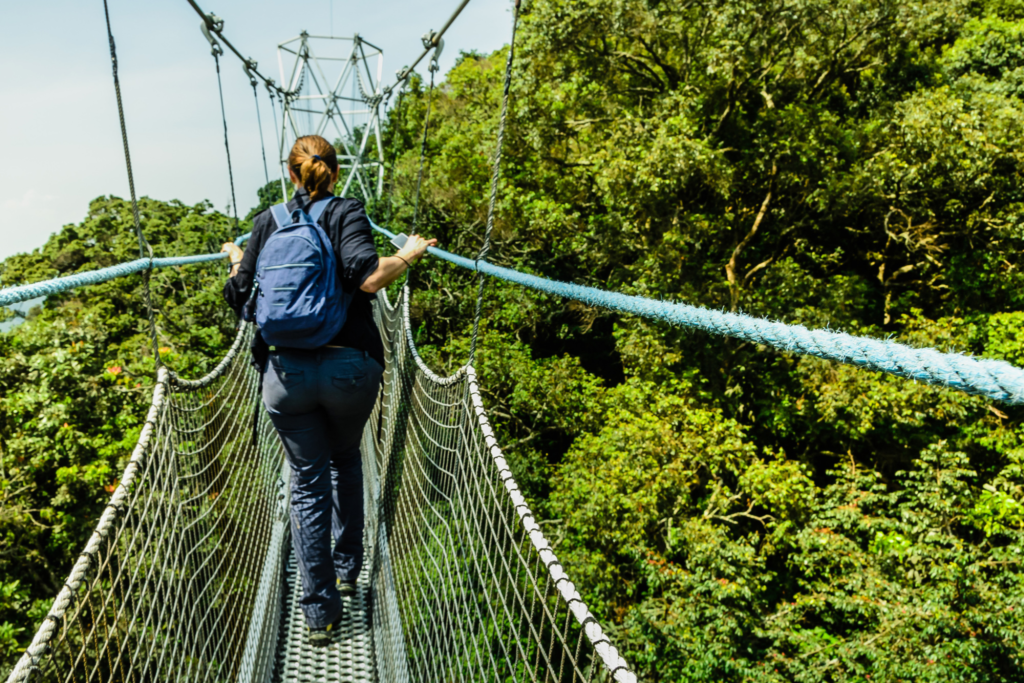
(465, 586)
(185, 577)
(182, 577)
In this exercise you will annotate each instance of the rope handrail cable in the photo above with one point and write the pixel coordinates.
(993, 379)
(996, 380)
(18, 293)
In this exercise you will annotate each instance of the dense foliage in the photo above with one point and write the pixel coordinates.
(729, 512)
(75, 381)
(733, 512)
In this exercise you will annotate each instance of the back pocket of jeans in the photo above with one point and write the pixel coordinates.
(288, 377)
(351, 378)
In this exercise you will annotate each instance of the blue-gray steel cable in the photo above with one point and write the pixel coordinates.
(13, 295)
(993, 379)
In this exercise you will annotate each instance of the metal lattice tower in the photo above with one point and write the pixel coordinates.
(334, 90)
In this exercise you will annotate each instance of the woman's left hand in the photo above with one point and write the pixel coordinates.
(234, 253)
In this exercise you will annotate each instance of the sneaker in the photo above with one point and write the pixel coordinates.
(346, 588)
(322, 637)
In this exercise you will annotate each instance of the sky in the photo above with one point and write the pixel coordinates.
(60, 140)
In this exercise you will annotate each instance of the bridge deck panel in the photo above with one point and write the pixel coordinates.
(349, 658)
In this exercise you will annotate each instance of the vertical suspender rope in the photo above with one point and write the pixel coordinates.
(259, 122)
(214, 24)
(277, 141)
(389, 207)
(227, 148)
(143, 245)
(495, 173)
(423, 148)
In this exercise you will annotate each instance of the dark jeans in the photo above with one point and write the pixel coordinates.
(319, 401)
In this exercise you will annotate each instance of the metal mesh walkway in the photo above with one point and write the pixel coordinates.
(187, 576)
(349, 659)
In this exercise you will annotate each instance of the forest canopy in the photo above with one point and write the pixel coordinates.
(730, 512)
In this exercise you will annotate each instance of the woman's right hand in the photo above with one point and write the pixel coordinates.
(391, 268)
(415, 247)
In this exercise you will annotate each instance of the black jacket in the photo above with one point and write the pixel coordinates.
(346, 225)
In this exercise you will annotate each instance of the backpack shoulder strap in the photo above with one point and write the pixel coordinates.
(281, 215)
(317, 209)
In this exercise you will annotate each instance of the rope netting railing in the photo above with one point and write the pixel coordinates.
(465, 586)
(184, 576)
(181, 578)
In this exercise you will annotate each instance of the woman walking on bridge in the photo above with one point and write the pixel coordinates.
(322, 359)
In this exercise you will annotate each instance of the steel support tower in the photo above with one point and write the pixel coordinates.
(334, 90)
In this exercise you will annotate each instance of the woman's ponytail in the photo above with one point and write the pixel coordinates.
(314, 161)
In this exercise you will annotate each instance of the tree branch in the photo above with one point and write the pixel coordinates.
(730, 267)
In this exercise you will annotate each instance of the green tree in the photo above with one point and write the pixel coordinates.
(75, 381)
(737, 513)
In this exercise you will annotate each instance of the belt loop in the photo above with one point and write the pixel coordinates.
(366, 355)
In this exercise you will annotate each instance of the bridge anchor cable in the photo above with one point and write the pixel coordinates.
(495, 175)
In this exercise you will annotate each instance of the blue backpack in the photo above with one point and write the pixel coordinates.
(299, 299)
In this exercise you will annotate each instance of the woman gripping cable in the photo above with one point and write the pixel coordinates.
(310, 287)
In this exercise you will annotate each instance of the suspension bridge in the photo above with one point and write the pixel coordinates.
(189, 574)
